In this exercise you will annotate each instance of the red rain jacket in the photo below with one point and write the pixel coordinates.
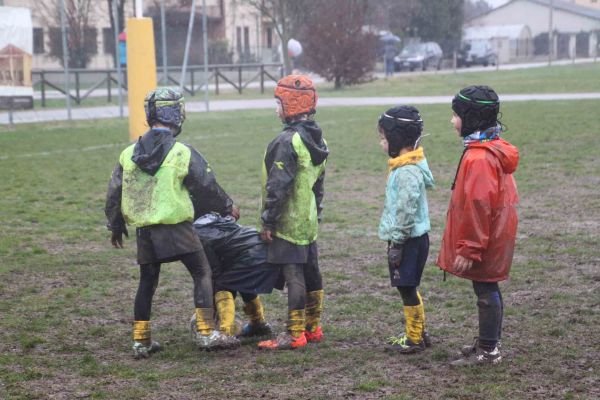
(481, 223)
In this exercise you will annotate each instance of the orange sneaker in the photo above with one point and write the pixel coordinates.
(284, 341)
(315, 336)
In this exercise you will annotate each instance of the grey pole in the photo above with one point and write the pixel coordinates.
(187, 46)
(258, 48)
(117, 52)
(550, 33)
(63, 29)
(205, 43)
(163, 32)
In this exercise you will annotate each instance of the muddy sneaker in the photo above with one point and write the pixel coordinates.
(427, 339)
(404, 345)
(481, 357)
(228, 342)
(215, 341)
(471, 349)
(258, 329)
(314, 337)
(284, 341)
(141, 350)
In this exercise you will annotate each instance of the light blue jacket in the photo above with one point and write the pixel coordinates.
(405, 212)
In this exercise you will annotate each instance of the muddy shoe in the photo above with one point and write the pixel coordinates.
(471, 349)
(404, 345)
(256, 330)
(228, 342)
(284, 341)
(215, 341)
(141, 350)
(427, 339)
(480, 357)
(314, 337)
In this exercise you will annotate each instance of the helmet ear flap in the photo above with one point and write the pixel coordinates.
(152, 109)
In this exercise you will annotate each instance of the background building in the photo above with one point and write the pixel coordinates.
(236, 32)
(575, 27)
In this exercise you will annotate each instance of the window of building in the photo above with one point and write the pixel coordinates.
(108, 40)
(238, 32)
(246, 39)
(38, 40)
(90, 39)
(269, 38)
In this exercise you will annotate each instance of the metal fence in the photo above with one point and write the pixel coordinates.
(85, 83)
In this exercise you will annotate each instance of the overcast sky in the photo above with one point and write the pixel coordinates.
(496, 3)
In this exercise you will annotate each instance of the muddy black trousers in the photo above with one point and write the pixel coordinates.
(490, 308)
(307, 276)
(197, 266)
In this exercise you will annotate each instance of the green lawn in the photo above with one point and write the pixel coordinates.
(554, 79)
(66, 296)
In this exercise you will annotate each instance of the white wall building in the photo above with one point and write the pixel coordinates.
(575, 27)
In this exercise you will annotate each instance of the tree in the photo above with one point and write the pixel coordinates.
(121, 19)
(282, 14)
(474, 8)
(396, 15)
(335, 45)
(440, 22)
(81, 36)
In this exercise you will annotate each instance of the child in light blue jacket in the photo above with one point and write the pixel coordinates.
(405, 219)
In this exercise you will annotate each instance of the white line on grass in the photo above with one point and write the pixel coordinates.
(94, 148)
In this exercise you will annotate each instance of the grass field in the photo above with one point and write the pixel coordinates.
(66, 296)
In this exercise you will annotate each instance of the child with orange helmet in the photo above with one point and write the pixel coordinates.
(293, 176)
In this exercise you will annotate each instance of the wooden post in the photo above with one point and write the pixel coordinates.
(43, 82)
(77, 99)
(192, 81)
(108, 86)
(216, 81)
(262, 78)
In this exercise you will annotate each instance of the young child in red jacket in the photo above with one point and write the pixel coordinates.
(481, 226)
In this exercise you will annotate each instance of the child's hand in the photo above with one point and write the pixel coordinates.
(116, 238)
(235, 212)
(395, 256)
(266, 236)
(462, 264)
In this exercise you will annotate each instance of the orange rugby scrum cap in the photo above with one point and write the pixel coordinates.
(297, 94)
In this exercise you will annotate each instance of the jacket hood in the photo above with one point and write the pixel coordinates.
(427, 175)
(506, 153)
(312, 137)
(151, 149)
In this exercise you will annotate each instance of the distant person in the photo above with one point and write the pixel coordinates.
(481, 225)
(123, 54)
(293, 176)
(389, 52)
(123, 49)
(405, 220)
(158, 186)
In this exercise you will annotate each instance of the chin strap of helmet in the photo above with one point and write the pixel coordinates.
(152, 109)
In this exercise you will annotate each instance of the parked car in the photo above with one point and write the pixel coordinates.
(420, 55)
(478, 52)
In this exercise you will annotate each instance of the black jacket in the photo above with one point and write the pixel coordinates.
(280, 180)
